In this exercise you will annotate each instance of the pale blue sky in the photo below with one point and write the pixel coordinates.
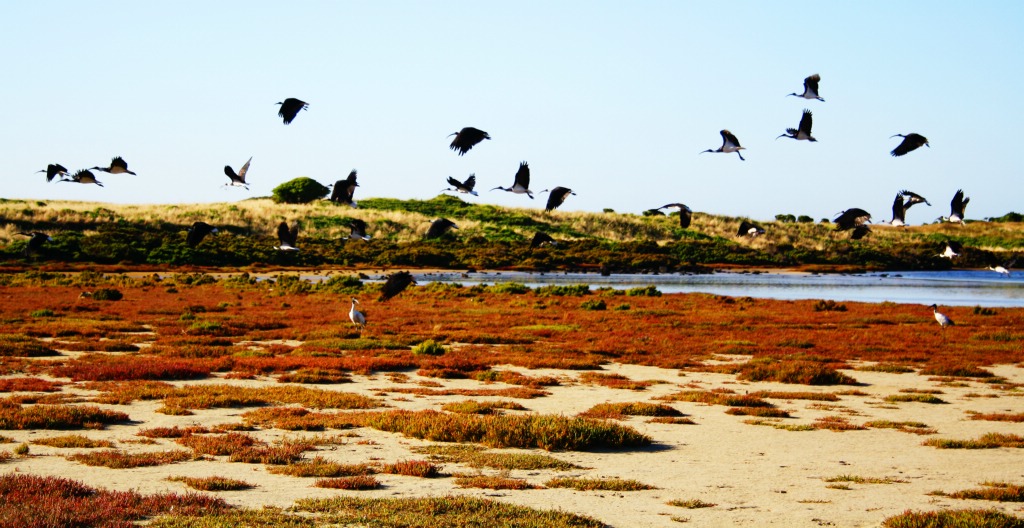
(612, 99)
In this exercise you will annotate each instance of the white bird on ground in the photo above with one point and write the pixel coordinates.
(357, 317)
(943, 320)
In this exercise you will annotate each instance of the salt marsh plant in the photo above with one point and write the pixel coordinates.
(611, 484)
(212, 483)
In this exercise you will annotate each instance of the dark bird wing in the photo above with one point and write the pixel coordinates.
(913, 198)
(290, 108)
(860, 232)
(851, 218)
(540, 239)
(395, 284)
(958, 204)
(287, 236)
(898, 212)
(466, 138)
(439, 227)
(454, 183)
(729, 139)
(811, 83)
(557, 197)
(806, 122)
(523, 175)
(957, 247)
(470, 183)
(54, 169)
(358, 228)
(119, 162)
(197, 233)
(243, 170)
(910, 142)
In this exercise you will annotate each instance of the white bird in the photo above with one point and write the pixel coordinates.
(957, 206)
(465, 187)
(899, 212)
(358, 230)
(521, 185)
(287, 237)
(237, 180)
(803, 130)
(953, 249)
(1003, 269)
(357, 317)
(750, 229)
(810, 88)
(729, 145)
(943, 320)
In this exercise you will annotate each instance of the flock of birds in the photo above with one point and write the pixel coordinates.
(855, 220)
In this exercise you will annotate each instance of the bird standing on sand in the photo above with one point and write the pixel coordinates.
(803, 130)
(395, 283)
(467, 138)
(465, 187)
(345, 190)
(943, 320)
(910, 143)
(287, 237)
(358, 318)
(729, 145)
(521, 185)
(117, 166)
(53, 170)
(238, 179)
(290, 108)
(810, 88)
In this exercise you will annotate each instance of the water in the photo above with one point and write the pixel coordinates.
(945, 288)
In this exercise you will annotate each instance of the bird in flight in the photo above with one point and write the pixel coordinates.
(521, 185)
(239, 178)
(749, 229)
(952, 249)
(467, 138)
(685, 214)
(35, 242)
(395, 284)
(541, 239)
(465, 187)
(910, 143)
(358, 229)
(344, 190)
(290, 108)
(82, 176)
(557, 197)
(439, 227)
(957, 206)
(851, 218)
(287, 237)
(198, 232)
(810, 88)
(117, 166)
(803, 130)
(729, 144)
(53, 170)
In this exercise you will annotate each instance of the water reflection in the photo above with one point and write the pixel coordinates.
(948, 288)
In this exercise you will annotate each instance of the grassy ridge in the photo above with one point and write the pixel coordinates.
(488, 237)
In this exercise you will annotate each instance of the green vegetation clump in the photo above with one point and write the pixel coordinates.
(953, 518)
(107, 294)
(429, 348)
(594, 304)
(568, 290)
(299, 191)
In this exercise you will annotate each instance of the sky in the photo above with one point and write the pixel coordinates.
(612, 99)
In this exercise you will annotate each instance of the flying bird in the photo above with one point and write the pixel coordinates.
(913, 198)
(860, 232)
(951, 249)
(943, 320)
(1004, 268)
(466, 138)
(440, 227)
(851, 218)
(957, 206)
(82, 176)
(35, 242)
(239, 178)
(198, 232)
(345, 189)
(810, 88)
(899, 212)
(287, 237)
(685, 214)
(749, 229)
(290, 108)
(803, 130)
(910, 142)
(358, 318)
(541, 239)
(557, 197)
(729, 144)
(117, 166)
(522, 182)
(395, 284)
(465, 187)
(53, 170)
(358, 230)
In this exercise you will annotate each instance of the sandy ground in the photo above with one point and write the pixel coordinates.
(754, 475)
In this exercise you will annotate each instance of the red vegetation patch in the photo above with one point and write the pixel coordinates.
(614, 381)
(32, 501)
(358, 482)
(58, 417)
(132, 368)
(29, 385)
(217, 445)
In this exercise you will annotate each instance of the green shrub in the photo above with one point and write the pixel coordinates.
(429, 348)
(594, 304)
(299, 190)
(107, 294)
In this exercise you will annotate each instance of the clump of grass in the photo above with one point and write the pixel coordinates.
(412, 468)
(72, 441)
(890, 368)
(986, 441)
(212, 483)
(621, 410)
(58, 417)
(865, 480)
(614, 381)
(801, 372)
(172, 432)
(219, 444)
(918, 428)
(323, 468)
(21, 449)
(675, 420)
(15, 345)
(117, 460)
(836, 423)
(691, 503)
(829, 306)
(29, 385)
(274, 455)
(429, 348)
(476, 456)
(582, 484)
(992, 491)
(485, 407)
(956, 370)
(914, 397)
(999, 417)
(718, 397)
(567, 290)
(359, 482)
(763, 412)
(951, 518)
(644, 291)
(785, 395)
(315, 375)
(495, 482)
(593, 304)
